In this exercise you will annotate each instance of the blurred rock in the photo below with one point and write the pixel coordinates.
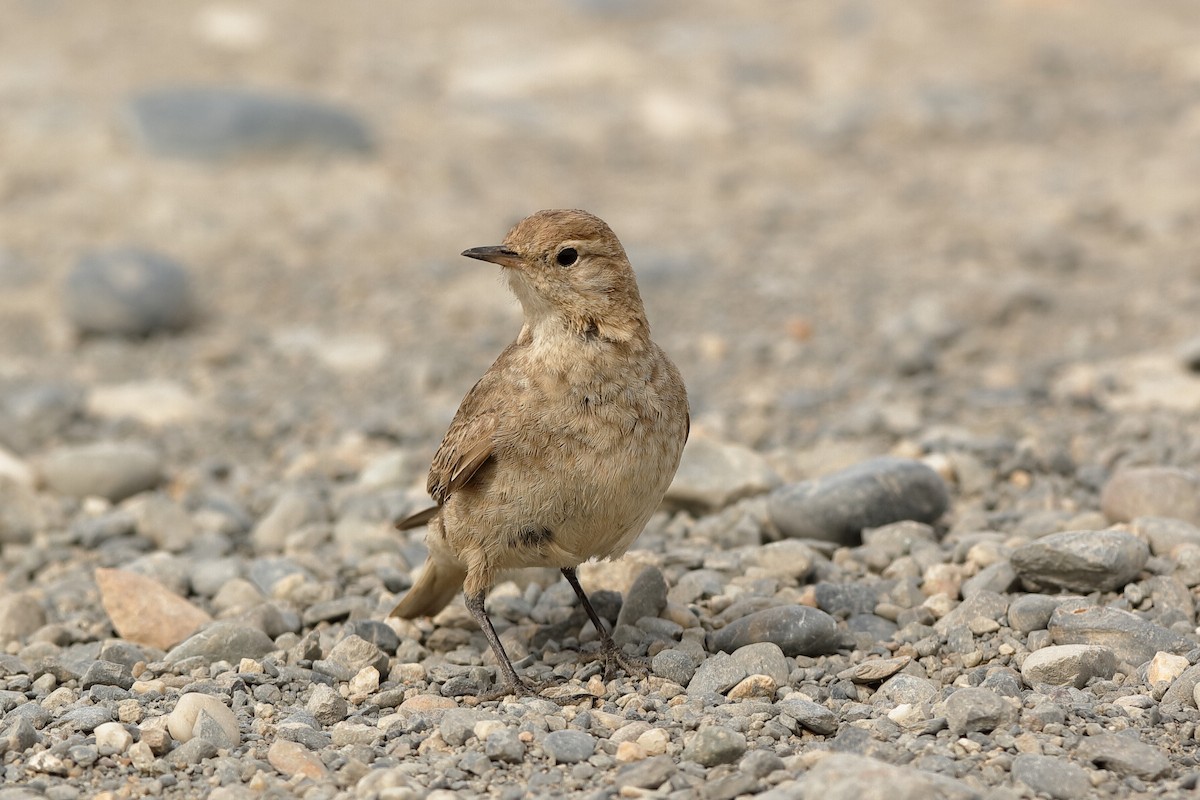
(713, 474)
(113, 470)
(1082, 561)
(155, 403)
(1152, 492)
(213, 122)
(144, 611)
(128, 291)
(1068, 665)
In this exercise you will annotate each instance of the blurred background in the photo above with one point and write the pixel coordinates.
(237, 225)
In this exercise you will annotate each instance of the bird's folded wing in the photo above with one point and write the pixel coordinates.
(467, 445)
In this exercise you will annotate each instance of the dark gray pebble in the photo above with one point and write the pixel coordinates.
(1081, 561)
(798, 630)
(837, 507)
(128, 291)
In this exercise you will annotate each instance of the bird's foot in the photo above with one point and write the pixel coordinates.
(613, 657)
(550, 690)
(518, 689)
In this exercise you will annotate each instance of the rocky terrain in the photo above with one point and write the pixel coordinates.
(930, 269)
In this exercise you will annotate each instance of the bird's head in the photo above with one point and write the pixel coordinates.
(568, 267)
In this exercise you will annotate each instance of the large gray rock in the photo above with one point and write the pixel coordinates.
(1132, 639)
(211, 122)
(1051, 776)
(713, 474)
(798, 630)
(972, 709)
(1082, 561)
(837, 507)
(128, 291)
(1152, 492)
(1124, 754)
(223, 641)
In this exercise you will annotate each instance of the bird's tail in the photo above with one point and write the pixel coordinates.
(432, 592)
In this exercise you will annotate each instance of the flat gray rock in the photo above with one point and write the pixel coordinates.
(847, 776)
(713, 745)
(1131, 638)
(1051, 776)
(712, 474)
(1124, 754)
(1081, 561)
(215, 122)
(223, 641)
(837, 507)
(568, 746)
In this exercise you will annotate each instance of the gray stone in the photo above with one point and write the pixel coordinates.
(980, 608)
(763, 658)
(327, 704)
(674, 665)
(713, 745)
(568, 746)
(798, 630)
(786, 560)
(164, 522)
(351, 655)
(505, 745)
(837, 507)
(847, 776)
(211, 123)
(1081, 561)
(1051, 776)
(760, 763)
(846, 599)
(457, 725)
(1031, 612)
(997, 578)
(713, 474)
(20, 615)
(86, 718)
(1124, 754)
(112, 470)
(223, 641)
(972, 709)
(291, 511)
(20, 514)
(718, 674)
(648, 774)
(1183, 689)
(1152, 492)
(106, 673)
(647, 597)
(128, 291)
(17, 734)
(1165, 534)
(1068, 665)
(906, 688)
(193, 751)
(1132, 639)
(813, 716)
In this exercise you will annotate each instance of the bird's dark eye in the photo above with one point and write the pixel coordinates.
(567, 256)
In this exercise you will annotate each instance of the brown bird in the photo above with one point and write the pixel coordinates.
(565, 447)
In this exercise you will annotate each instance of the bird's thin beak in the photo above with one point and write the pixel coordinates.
(497, 254)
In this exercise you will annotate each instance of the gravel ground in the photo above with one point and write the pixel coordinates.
(929, 269)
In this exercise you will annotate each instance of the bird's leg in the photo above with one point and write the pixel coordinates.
(513, 683)
(612, 655)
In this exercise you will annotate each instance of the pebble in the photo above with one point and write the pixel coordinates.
(973, 709)
(20, 615)
(716, 675)
(327, 705)
(813, 716)
(648, 774)
(223, 641)
(504, 746)
(112, 470)
(568, 746)
(1068, 665)
(763, 658)
(1031, 612)
(713, 474)
(674, 665)
(197, 714)
(1165, 668)
(350, 656)
(291, 511)
(1054, 777)
(837, 507)
(292, 759)
(192, 752)
(21, 514)
(1124, 754)
(112, 738)
(212, 123)
(128, 291)
(1132, 639)
(797, 630)
(713, 745)
(144, 611)
(1152, 492)
(1082, 561)
(156, 403)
